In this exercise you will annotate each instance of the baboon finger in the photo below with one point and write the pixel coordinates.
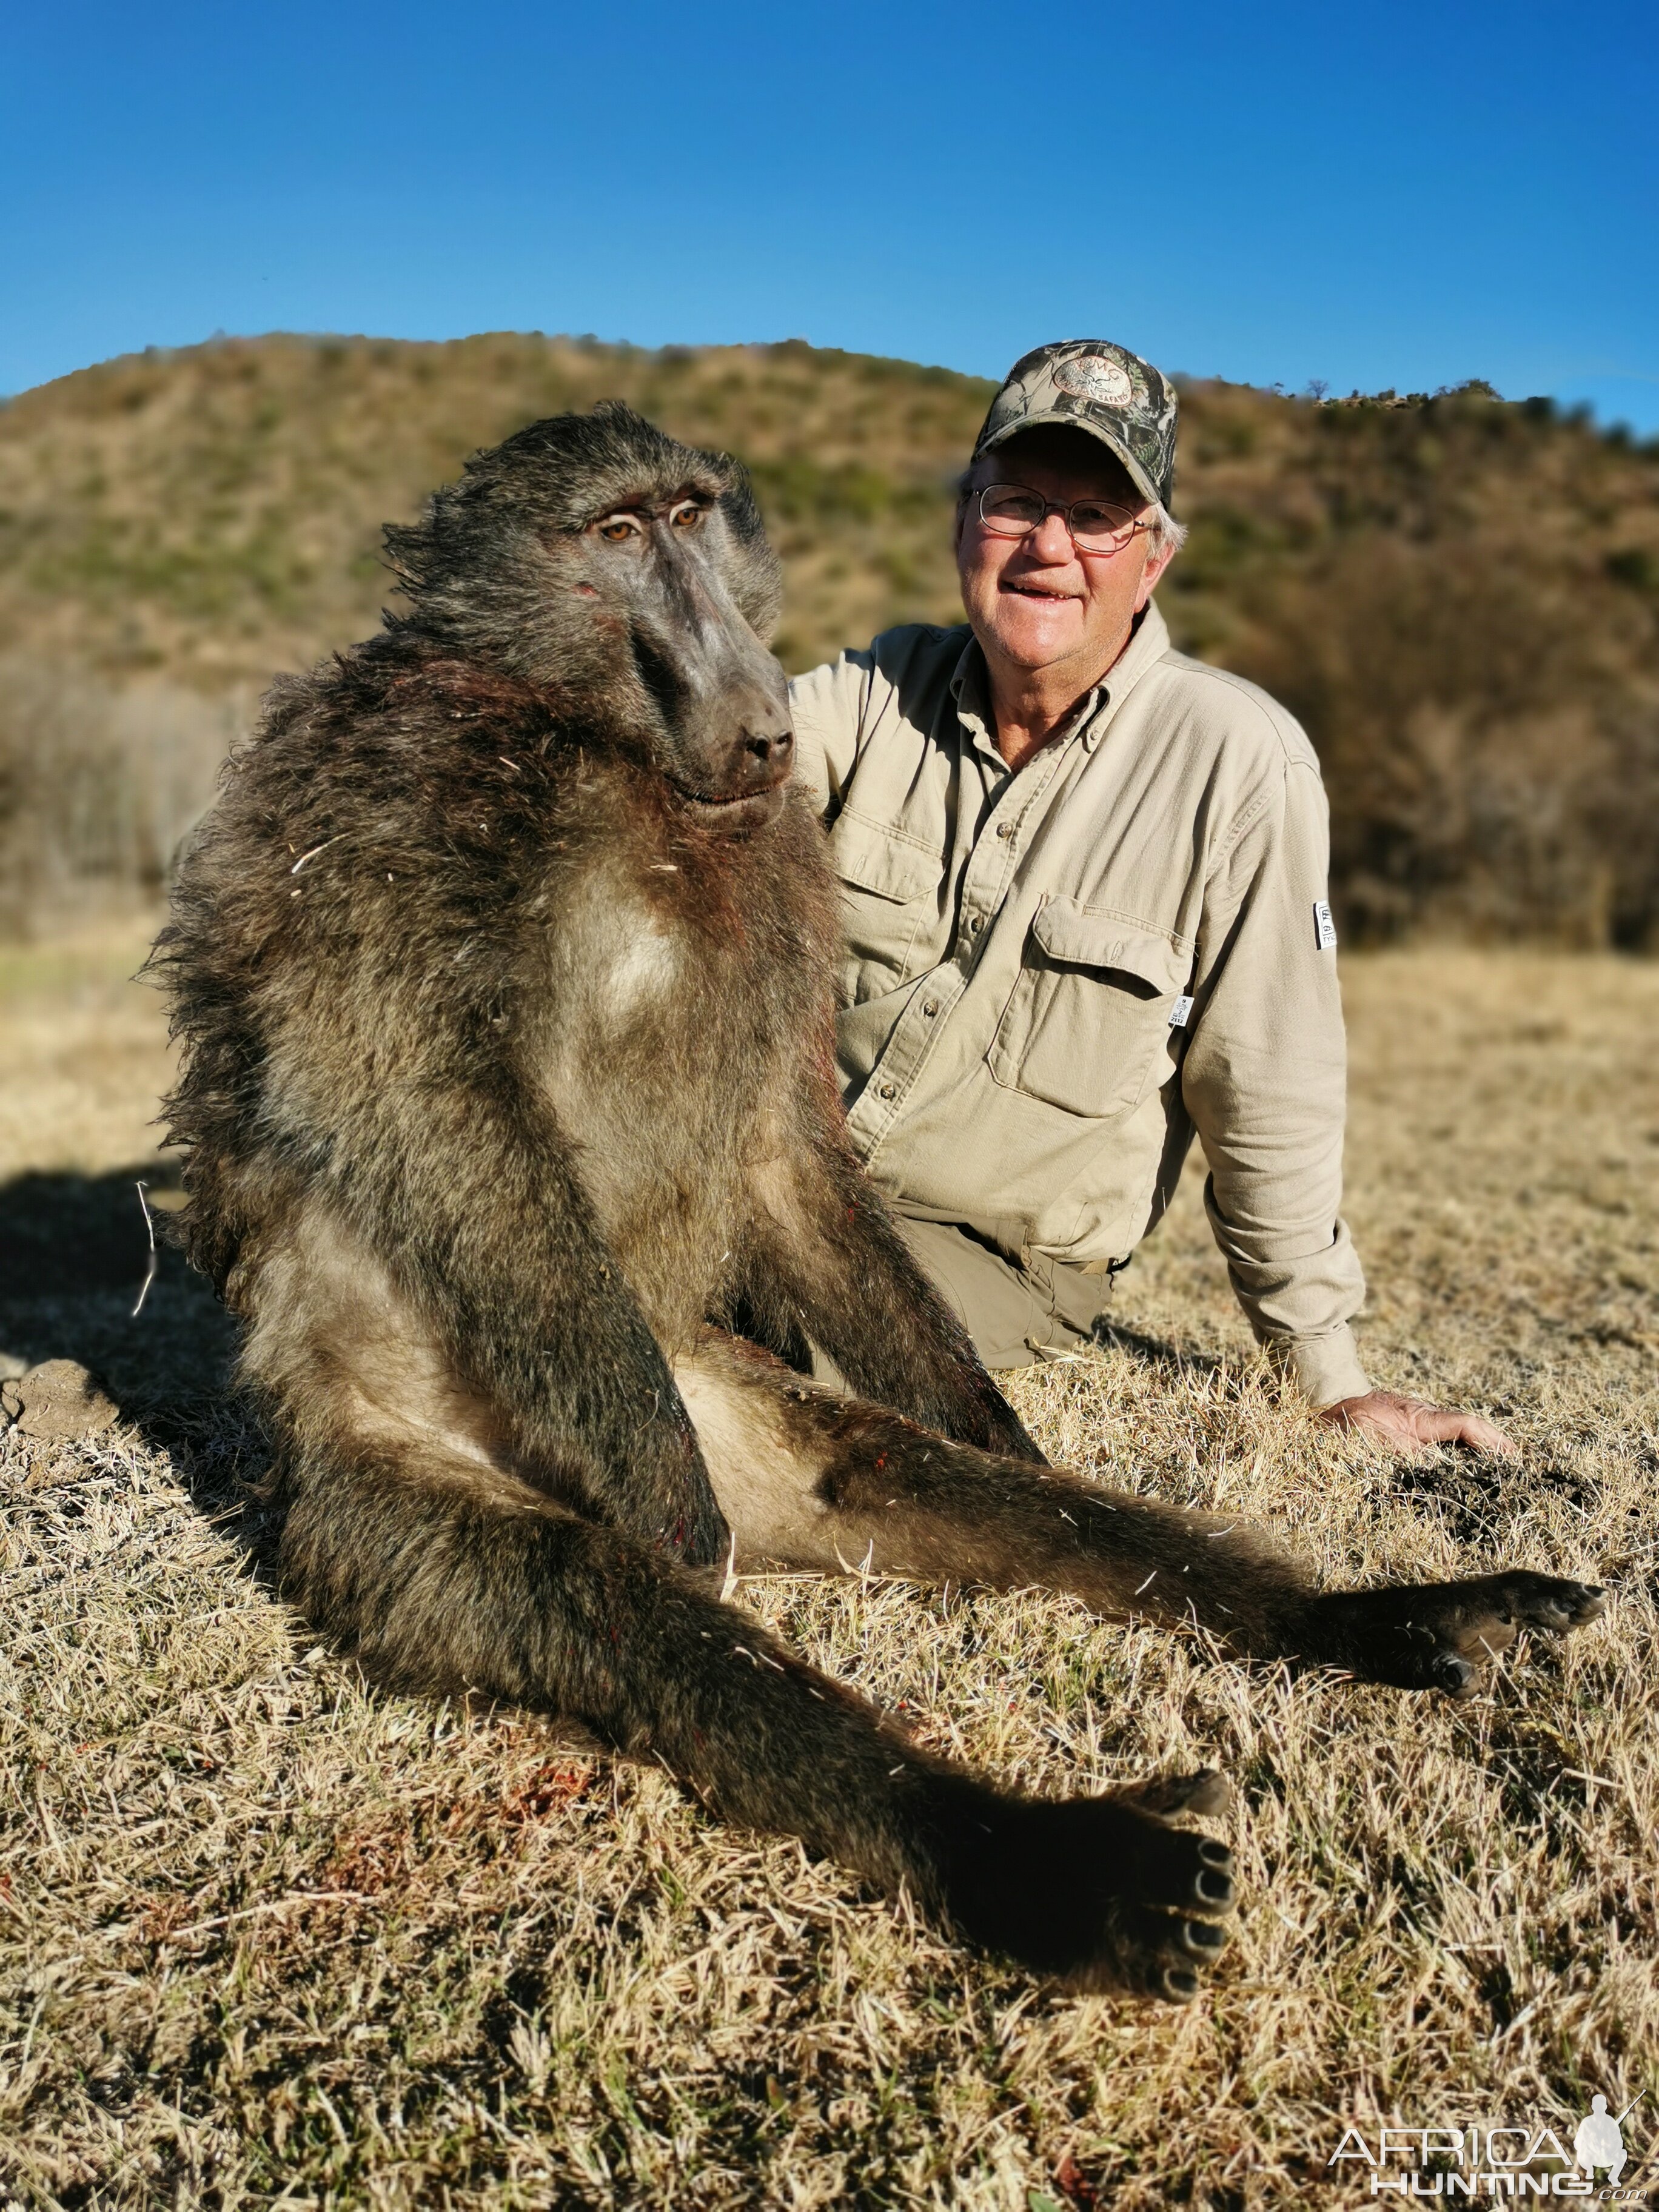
(1548, 1602)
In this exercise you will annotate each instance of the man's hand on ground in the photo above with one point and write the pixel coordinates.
(1406, 1425)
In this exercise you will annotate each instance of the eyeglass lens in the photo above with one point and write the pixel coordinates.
(1098, 524)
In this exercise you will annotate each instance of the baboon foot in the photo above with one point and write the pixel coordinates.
(1099, 1891)
(1441, 1636)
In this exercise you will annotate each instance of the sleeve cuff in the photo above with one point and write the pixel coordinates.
(1323, 1369)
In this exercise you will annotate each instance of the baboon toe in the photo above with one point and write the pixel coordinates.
(1215, 1885)
(1444, 1636)
(1458, 1677)
(1156, 1954)
(1184, 1873)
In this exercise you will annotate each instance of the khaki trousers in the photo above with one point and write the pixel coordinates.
(1016, 1314)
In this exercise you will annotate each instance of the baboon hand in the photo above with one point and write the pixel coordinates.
(698, 1538)
(1102, 1893)
(1442, 1635)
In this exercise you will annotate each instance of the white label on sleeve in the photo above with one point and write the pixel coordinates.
(1324, 928)
(1180, 1013)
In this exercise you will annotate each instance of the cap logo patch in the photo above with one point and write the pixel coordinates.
(1092, 376)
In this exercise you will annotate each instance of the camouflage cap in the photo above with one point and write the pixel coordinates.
(1090, 384)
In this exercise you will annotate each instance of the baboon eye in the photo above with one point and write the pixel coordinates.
(686, 516)
(616, 527)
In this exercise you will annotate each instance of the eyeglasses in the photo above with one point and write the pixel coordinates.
(1097, 526)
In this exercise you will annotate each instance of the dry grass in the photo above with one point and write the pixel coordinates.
(268, 1938)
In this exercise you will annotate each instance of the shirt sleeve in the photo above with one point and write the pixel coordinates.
(1265, 1080)
(827, 707)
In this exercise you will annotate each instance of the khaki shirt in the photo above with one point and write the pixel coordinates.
(1053, 977)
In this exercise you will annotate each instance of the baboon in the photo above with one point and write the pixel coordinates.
(503, 968)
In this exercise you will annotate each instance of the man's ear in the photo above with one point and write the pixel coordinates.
(1156, 564)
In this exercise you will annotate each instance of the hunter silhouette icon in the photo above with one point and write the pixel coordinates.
(1600, 2142)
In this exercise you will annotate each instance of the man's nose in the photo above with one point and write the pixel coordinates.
(1051, 540)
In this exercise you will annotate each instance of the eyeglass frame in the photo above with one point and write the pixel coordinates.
(1061, 506)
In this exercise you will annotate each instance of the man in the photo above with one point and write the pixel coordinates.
(1084, 889)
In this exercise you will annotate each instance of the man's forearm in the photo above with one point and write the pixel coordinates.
(1299, 1308)
(1324, 1370)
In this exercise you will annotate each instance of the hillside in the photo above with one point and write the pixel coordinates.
(216, 514)
(1459, 596)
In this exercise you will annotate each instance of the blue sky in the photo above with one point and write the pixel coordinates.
(1407, 196)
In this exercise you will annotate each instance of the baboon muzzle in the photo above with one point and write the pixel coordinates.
(723, 698)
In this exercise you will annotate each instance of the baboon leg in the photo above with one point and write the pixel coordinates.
(440, 1575)
(825, 1481)
(825, 1259)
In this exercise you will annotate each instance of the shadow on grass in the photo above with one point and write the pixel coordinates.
(1476, 1497)
(74, 1251)
(1156, 1351)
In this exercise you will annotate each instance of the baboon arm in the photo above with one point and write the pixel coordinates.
(817, 1480)
(825, 1481)
(827, 1259)
(477, 1209)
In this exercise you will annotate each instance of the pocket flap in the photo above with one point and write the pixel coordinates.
(865, 854)
(1092, 937)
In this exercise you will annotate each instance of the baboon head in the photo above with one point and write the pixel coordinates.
(628, 577)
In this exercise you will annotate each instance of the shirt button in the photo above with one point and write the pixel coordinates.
(930, 1007)
(1005, 829)
(888, 1089)
(973, 925)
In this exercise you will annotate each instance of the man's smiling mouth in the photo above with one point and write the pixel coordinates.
(1038, 591)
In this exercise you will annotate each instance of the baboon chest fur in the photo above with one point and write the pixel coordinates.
(647, 987)
(501, 970)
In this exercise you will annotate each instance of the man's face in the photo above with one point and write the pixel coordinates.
(1035, 602)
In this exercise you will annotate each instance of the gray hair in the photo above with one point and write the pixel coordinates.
(1168, 536)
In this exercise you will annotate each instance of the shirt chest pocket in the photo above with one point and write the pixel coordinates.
(889, 894)
(1087, 1026)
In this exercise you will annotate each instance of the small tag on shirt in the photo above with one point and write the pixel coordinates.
(1180, 1013)
(1324, 928)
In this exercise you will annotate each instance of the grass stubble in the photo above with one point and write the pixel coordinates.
(269, 1936)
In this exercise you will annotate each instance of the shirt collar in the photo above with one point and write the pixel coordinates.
(970, 690)
(1149, 641)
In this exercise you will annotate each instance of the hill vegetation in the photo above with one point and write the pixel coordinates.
(1459, 596)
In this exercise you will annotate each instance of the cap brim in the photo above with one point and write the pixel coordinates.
(1043, 417)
